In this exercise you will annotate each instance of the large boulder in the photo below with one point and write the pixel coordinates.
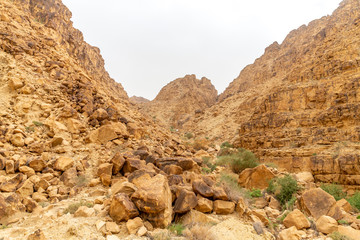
(200, 187)
(316, 202)
(154, 198)
(12, 184)
(296, 218)
(122, 208)
(257, 177)
(204, 205)
(185, 202)
(326, 224)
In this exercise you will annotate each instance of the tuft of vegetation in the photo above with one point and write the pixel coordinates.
(4, 226)
(72, 208)
(189, 135)
(230, 184)
(38, 124)
(255, 193)
(43, 204)
(239, 161)
(30, 129)
(343, 222)
(208, 164)
(284, 189)
(335, 190)
(354, 200)
(282, 217)
(358, 217)
(226, 145)
(338, 236)
(81, 181)
(272, 165)
(177, 228)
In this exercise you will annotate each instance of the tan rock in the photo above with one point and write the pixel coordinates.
(118, 162)
(37, 164)
(142, 231)
(241, 206)
(131, 165)
(223, 207)
(10, 167)
(84, 211)
(123, 187)
(70, 177)
(257, 177)
(326, 224)
(273, 214)
(133, 225)
(274, 204)
(112, 227)
(220, 194)
(3, 207)
(204, 205)
(194, 216)
(18, 140)
(305, 177)
(26, 189)
(12, 184)
(154, 198)
(105, 173)
(316, 202)
(103, 134)
(63, 163)
(296, 218)
(122, 209)
(291, 234)
(200, 187)
(185, 202)
(37, 235)
(27, 171)
(261, 215)
(30, 204)
(349, 232)
(173, 170)
(2, 162)
(15, 83)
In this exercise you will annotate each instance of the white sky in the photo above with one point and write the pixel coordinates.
(148, 43)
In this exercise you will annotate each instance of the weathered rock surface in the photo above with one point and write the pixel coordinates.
(296, 218)
(316, 202)
(326, 224)
(122, 208)
(257, 177)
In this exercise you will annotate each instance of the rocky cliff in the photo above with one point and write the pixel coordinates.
(180, 100)
(298, 104)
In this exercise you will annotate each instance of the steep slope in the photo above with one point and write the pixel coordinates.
(180, 100)
(297, 105)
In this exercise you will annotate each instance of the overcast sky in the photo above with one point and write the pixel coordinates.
(148, 43)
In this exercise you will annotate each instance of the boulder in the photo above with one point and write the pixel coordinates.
(131, 165)
(339, 209)
(123, 187)
(291, 234)
(185, 202)
(316, 202)
(30, 204)
(118, 162)
(122, 208)
(103, 134)
(326, 224)
(204, 205)
(173, 170)
(220, 194)
(70, 177)
(12, 184)
(349, 232)
(200, 187)
(296, 218)
(223, 207)
(37, 164)
(63, 163)
(194, 216)
(257, 177)
(26, 189)
(105, 172)
(260, 214)
(3, 207)
(154, 198)
(2, 162)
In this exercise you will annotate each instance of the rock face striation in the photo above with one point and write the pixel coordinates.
(298, 104)
(180, 100)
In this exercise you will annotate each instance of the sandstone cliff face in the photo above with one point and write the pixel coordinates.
(298, 104)
(180, 100)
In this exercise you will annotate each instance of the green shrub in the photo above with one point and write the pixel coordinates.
(358, 217)
(335, 190)
(177, 228)
(189, 135)
(343, 222)
(284, 189)
(239, 161)
(37, 123)
(226, 145)
(255, 193)
(354, 200)
(207, 162)
(338, 236)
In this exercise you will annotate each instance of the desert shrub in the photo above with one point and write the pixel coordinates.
(72, 208)
(239, 161)
(335, 190)
(226, 145)
(233, 190)
(338, 236)
(188, 135)
(208, 164)
(343, 222)
(354, 200)
(177, 228)
(255, 193)
(284, 188)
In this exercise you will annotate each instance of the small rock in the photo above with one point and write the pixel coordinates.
(112, 227)
(291, 234)
(105, 173)
(296, 218)
(204, 205)
(142, 231)
(223, 207)
(133, 225)
(12, 184)
(37, 235)
(257, 177)
(349, 232)
(84, 211)
(63, 163)
(118, 162)
(27, 171)
(10, 167)
(18, 140)
(258, 226)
